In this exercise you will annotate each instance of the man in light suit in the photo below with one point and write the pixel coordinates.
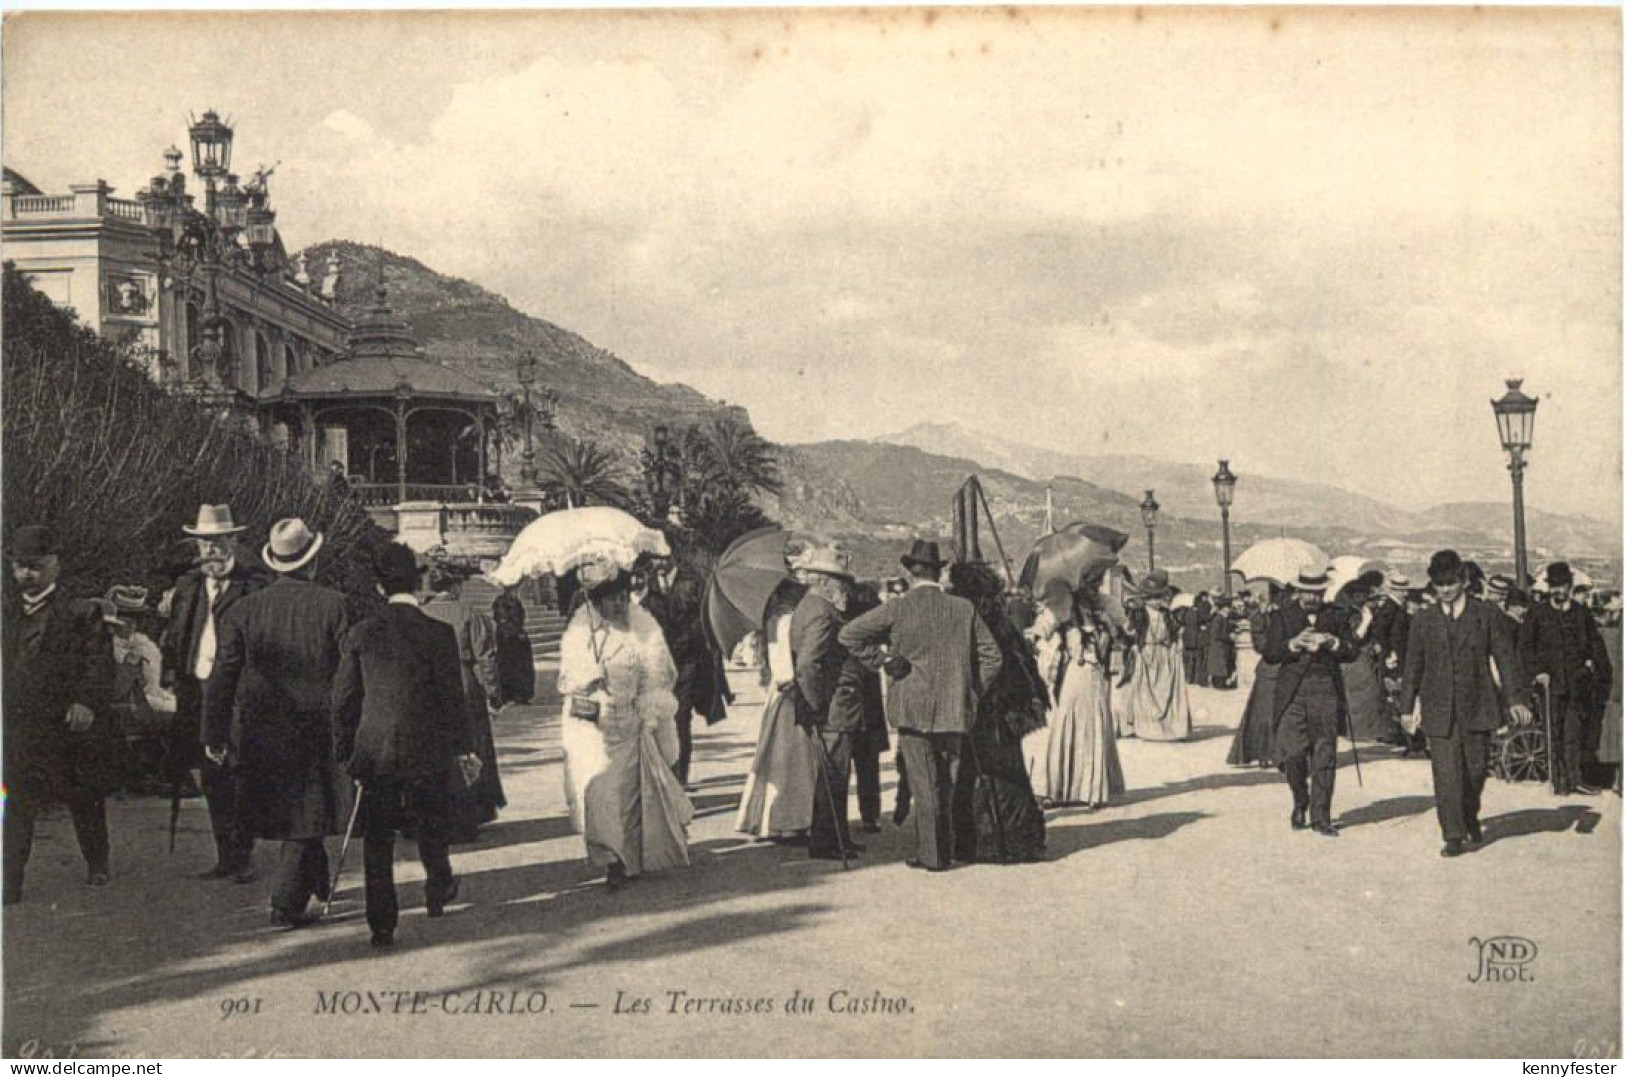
(942, 657)
(1447, 668)
(830, 716)
(189, 644)
(402, 730)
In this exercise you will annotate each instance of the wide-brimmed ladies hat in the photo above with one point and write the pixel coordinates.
(1155, 585)
(128, 598)
(291, 547)
(213, 521)
(827, 562)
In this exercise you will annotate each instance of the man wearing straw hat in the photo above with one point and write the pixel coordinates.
(830, 717)
(1310, 645)
(189, 643)
(266, 714)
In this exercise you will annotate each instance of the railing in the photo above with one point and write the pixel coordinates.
(127, 208)
(389, 493)
(40, 205)
(488, 519)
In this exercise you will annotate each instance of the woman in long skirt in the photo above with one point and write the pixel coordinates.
(996, 817)
(620, 733)
(1157, 705)
(1255, 737)
(778, 798)
(1081, 764)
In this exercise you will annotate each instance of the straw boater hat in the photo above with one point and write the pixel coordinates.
(1311, 579)
(212, 522)
(827, 562)
(128, 598)
(291, 546)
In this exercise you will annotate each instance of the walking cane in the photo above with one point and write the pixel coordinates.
(1355, 748)
(1545, 682)
(829, 795)
(333, 887)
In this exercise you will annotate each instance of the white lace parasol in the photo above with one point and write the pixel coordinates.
(567, 539)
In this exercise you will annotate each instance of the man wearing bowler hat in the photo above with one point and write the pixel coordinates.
(1447, 668)
(1310, 643)
(941, 658)
(59, 736)
(189, 643)
(403, 731)
(266, 714)
(1560, 639)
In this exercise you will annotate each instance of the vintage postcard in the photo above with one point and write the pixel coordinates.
(1020, 531)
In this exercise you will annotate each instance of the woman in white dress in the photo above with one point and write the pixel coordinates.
(778, 798)
(620, 732)
(1081, 765)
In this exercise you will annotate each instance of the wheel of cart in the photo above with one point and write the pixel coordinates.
(1520, 755)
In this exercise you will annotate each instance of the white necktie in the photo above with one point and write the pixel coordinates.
(206, 642)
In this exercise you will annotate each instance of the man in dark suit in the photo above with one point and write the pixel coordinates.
(401, 728)
(1560, 639)
(860, 687)
(942, 657)
(189, 643)
(1447, 668)
(59, 737)
(829, 717)
(676, 595)
(266, 713)
(1309, 641)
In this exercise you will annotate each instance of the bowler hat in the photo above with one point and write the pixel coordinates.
(32, 541)
(396, 563)
(925, 554)
(292, 545)
(1445, 567)
(212, 520)
(1559, 574)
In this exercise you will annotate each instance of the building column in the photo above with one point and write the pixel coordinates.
(400, 449)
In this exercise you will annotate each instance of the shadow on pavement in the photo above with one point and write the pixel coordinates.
(1063, 841)
(1384, 810)
(1518, 824)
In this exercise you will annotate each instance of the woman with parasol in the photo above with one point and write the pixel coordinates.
(620, 731)
(1081, 764)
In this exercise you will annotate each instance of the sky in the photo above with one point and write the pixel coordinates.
(1312, 241)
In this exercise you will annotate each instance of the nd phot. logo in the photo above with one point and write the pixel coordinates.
(1504, 959)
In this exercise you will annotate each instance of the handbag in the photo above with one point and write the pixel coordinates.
(584, 708)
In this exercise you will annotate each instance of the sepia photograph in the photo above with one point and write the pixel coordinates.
(902, 532)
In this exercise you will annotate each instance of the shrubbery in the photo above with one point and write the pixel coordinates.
(116, 464)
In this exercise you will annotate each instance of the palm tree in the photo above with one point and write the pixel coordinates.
(578, 472)
(731, 454)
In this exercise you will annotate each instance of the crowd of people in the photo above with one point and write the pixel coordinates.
(305, 720)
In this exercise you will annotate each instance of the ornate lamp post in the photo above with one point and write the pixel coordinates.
(1224, 489)
(527, 378)
(1148, 513)
(1515, 421)
(189, 240)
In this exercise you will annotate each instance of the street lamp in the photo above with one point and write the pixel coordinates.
(1224, 489)
(1148, 513)
(527, 378)
(1515, 421)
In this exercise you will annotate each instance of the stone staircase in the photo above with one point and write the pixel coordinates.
(544, 625)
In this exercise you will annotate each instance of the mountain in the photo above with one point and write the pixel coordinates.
(600, 395)
(1183, 488)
